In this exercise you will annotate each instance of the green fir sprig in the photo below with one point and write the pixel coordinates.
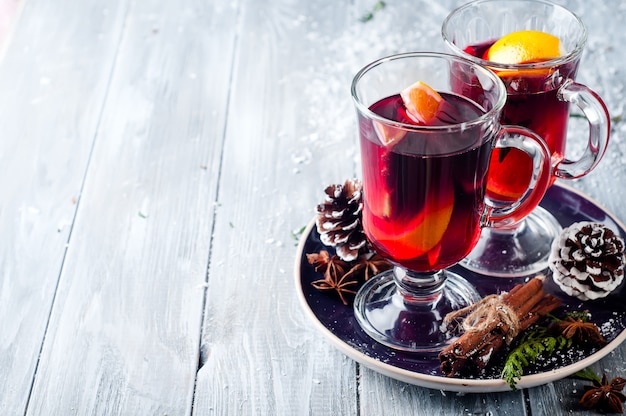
(297, 234)
(588, 374)
(370, 15)
(535, 343)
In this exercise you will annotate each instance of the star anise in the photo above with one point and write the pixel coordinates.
(335, 274)
(604, 395)
(369, 265)
(579, 330)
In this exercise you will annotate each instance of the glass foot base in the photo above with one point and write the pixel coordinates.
(515, 252)
(386, 315)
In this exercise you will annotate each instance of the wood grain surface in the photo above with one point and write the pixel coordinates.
(158, 161)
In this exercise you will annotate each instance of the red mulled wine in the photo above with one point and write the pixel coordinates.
(532, 102)
(424, 190)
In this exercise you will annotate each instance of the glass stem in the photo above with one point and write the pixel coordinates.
(419, 288)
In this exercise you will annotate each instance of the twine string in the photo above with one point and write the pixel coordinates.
(482, 315)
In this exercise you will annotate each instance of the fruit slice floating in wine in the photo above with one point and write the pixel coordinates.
(419, 234)
(524, 47)
(422, 102)
(422, 106)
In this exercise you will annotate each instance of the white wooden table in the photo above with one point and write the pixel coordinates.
(157, 159)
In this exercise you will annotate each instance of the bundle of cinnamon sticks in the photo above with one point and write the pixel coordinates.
(495, 322)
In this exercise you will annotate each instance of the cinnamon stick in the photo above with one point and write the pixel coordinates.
(496, 341)
(528, 302)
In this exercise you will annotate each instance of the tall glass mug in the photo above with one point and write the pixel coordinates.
(424, 190)
(538, 97)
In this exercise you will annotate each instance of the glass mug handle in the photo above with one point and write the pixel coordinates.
(530, 143)
(597, 115)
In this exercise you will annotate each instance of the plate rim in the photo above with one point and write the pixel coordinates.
(453, 384)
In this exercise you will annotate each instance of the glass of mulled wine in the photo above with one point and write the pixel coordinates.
(539, 94)
(424, 186)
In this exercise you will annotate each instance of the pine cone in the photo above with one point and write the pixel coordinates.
(339, 220)
(587, 260)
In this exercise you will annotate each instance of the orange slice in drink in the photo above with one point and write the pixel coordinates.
(510, 172)
(422, 102)
(524, 47)
(388, 135)
(419, 235)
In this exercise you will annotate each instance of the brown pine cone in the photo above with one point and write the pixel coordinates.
(339, 220)
(587, 260)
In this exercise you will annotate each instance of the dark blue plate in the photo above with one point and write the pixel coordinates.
(336, 321)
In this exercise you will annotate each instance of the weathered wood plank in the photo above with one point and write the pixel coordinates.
(9, 13)
(290, 114)
(129, 305)
(601, 69)
(308, 146)
(53, 77)
(414, 26)
(382, 395)
(565, 394)
(125, 327)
